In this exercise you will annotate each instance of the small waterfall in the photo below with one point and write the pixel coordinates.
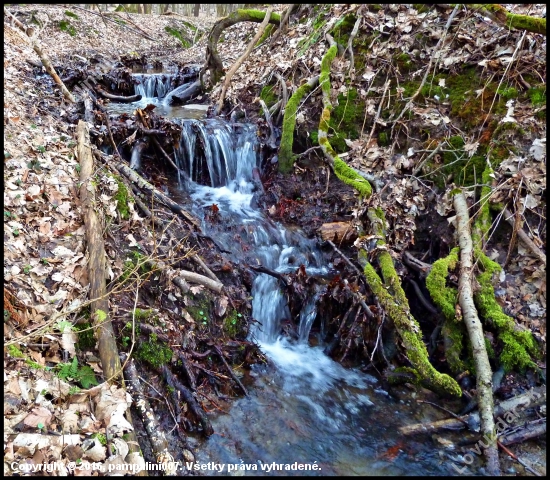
(152, 85)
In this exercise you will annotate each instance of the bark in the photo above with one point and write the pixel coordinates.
(184, 93)
(43, 57)
(213, 60)
(243, 57)
(475, 333)
(99, 307)
(155, 433)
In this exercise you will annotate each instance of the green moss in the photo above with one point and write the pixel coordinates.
(65, 26)
(15, 352)
(269, 30)
(122, 198)
(404, 62)
(258, 15)
(454, 334)
(136, 259)
(518, 346)
(383, 139)
(507, 93)
(154, 352)
(318, 23)
(343, 28)
(345, 120)
(392, 297)
(232, 325)
(179, 35)
(86, 339)
(537, 95)
(269, 95)
(443, 296)
(286, 157)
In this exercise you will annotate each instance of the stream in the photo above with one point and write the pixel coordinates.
(305, 413)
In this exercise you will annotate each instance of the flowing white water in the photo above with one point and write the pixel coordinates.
(305, 408)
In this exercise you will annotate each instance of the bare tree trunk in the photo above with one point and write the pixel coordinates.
(196, 9)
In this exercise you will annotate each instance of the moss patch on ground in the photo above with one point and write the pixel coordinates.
(154, 352)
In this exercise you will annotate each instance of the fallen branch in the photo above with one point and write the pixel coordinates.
(189, 399)
(536, 396)
(242, 58)
(230, 370)
(509, 217)
(43, 57)
(156, 436)
(484, 374)
(117, 98)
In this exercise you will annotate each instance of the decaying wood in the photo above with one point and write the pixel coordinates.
(532, 398)
(43, 57)
(243, 57)
(484, 375)
(189, 399)
(530, 430)
(202, 280)
(137, 151)
(97, 272)
(341, 233)
(184, 93)
(155, 433)
(418, 265)
(230, 370)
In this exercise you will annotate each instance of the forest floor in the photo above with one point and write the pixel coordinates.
(48, 392)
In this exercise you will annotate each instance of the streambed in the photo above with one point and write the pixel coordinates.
(303, 407)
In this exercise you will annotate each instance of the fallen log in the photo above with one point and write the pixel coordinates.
(154, 431)
(99, 307)
(184, 93)
(533, 429)
(118, 98)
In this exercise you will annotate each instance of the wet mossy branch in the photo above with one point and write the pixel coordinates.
(286, 157)
(392, 298)
(510, 20)
(213, 60)
(342, 170)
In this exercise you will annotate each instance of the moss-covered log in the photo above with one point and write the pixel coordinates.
(213, 60)
(286, 158)
(511, 20)
(392, 298)
(342, 170)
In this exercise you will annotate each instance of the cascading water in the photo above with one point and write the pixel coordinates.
(308, 409)
(150, 85)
